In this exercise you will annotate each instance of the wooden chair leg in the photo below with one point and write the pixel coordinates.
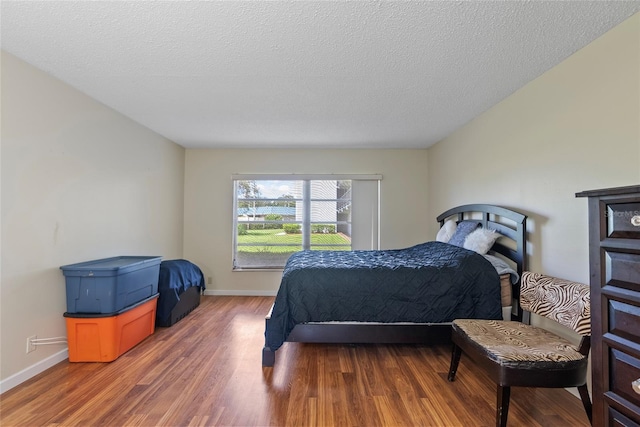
(502, 410)
(586, 401)
(456, 352)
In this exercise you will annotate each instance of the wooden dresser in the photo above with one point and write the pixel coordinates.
(614, 257)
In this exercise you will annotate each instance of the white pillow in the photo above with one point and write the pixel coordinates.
(446, 231)
(481, 240)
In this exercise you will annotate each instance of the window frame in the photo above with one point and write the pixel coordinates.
(294, 177)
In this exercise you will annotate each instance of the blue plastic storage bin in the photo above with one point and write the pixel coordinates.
(111, 284)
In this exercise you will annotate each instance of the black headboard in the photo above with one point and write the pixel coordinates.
(507, 222)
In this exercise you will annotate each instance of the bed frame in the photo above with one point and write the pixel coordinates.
(189, 301)
(512, 247)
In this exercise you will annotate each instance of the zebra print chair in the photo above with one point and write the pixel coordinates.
(517, 354)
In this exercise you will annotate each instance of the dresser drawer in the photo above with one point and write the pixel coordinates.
(623, 220)
(622, 269)
(625, 369)
(624, 321)
(617, 419)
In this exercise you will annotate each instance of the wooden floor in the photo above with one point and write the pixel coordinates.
(206, 370)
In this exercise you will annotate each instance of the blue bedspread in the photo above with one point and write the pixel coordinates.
(175, 277)
(431, 282)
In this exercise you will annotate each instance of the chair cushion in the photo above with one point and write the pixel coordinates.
(514, 344)
(563, 301)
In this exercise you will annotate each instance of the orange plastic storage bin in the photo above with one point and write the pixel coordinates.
(104, 338)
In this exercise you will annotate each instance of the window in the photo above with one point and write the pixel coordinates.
(277, 215)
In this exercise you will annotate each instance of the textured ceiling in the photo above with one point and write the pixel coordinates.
(302, 73)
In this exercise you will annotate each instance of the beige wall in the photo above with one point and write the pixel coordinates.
(577, 127)
(79, 182)
(209, 198)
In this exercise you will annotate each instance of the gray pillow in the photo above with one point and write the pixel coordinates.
(462, 231)
(446, 231)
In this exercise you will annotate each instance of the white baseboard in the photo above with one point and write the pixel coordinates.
(573, 391)
(33, 370)
(241, 293)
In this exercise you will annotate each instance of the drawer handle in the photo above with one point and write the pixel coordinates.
(635, 220)
(636, 385)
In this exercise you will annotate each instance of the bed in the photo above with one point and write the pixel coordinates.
(180, 284)
(408, 295)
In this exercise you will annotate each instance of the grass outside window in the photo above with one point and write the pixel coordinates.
(255, 241)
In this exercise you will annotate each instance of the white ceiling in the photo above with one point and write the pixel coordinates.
(361, 74)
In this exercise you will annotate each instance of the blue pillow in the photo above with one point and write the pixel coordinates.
(462, 231)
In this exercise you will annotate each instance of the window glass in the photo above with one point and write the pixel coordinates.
(275, 218)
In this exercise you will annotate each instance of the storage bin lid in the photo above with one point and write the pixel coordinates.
(110, 266)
